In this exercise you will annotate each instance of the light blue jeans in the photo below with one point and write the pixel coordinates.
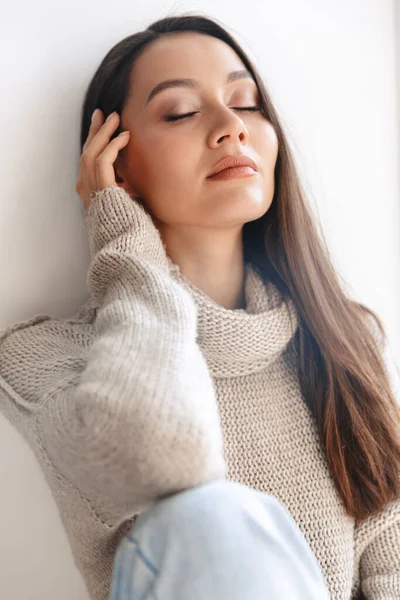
(219, 541)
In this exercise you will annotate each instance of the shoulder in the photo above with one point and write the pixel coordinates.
(35, 354)
(49, 334)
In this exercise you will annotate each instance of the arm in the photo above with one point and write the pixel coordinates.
(142, 421)
(378, 538)
(380, 561)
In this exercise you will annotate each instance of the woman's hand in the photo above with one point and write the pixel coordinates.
(96, 170)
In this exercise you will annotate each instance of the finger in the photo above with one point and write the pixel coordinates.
(105, 173)
(101, 134)
(98, 140)
(96, 123)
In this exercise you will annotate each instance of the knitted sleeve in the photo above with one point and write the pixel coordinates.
(141, 422)
(378, 538)
(380, 562)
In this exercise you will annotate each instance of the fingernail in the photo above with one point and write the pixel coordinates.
(109, 116)
(94, 113)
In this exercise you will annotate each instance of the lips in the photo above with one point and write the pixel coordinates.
(237, 160)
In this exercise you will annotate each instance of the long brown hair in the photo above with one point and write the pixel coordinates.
(338, 344)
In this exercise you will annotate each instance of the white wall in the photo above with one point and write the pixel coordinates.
(397, 66)
(330, 66)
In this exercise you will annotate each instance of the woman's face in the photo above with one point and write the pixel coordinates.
(167, 163)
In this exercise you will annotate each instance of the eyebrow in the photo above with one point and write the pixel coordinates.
(193, 84)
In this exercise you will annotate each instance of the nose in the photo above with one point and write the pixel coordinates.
(229, 126)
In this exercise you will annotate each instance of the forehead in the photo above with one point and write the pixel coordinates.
(184, 54)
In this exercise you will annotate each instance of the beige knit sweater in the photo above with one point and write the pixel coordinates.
(153, 388)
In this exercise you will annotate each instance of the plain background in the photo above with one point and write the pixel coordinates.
(331, 68)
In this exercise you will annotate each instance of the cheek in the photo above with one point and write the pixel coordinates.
(146, 162)
(169, 159)
(161, 167)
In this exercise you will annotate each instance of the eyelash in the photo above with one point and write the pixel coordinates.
(186, 115)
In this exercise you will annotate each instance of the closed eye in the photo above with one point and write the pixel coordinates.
(187, 115)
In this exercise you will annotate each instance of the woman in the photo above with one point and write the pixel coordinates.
(219, 417)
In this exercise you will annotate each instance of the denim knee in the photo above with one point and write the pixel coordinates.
(213, 505)
(216, 496)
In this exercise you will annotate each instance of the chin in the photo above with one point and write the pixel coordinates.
(246, 209)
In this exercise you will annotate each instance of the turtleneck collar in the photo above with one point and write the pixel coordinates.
(237, 342)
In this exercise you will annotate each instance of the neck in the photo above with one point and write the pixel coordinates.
(215, 265)
(224, 285)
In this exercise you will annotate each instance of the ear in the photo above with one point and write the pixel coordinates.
(118, 169)
(120, 178)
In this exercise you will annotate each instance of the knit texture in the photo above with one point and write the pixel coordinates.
(153, 388)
